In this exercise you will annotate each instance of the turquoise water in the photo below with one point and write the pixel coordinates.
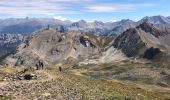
(98, 75)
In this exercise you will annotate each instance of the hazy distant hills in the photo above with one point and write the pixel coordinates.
(161, 20)
(29, 25)
(26, 26)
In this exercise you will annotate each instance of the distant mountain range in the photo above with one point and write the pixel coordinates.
(29, 25)
(147, 39)
(64, 41)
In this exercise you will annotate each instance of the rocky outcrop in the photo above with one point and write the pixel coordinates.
(151, 53)
(129, 42)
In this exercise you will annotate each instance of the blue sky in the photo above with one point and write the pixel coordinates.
(90, 10)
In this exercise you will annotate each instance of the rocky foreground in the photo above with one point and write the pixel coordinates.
(44, 87)
(54, 85)
(52, 90)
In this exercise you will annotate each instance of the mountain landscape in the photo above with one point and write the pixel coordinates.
(63, 60)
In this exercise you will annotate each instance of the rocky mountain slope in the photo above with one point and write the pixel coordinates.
(145, 41)
(52, 46)
(142, 39)
(78, 41)
(9, 42)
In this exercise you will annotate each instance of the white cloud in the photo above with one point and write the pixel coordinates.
(101, 8)
(71, 0)
(23, 8)
(64, 19)
(110, 7)
(60, 18)
(113, 20)
(115, 7)
(35, 7)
